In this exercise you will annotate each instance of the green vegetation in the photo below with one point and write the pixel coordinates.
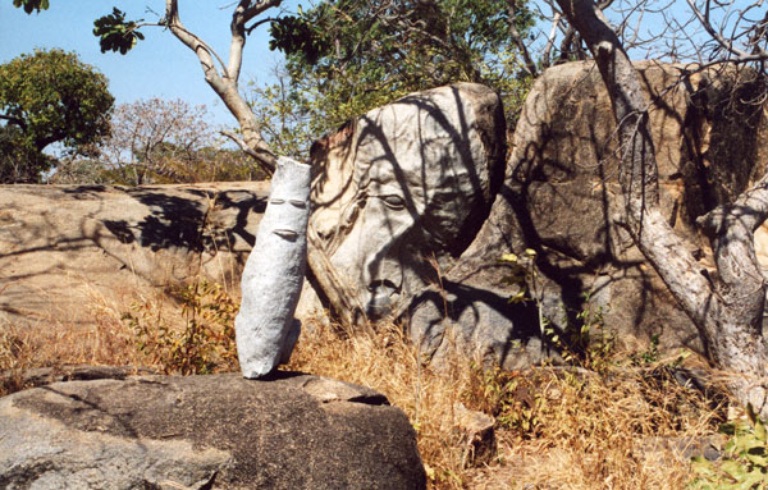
(206, 342)
(744, 464)
(346, 57)
(48, 97)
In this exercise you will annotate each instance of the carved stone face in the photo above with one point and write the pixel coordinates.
(272, 278)
(394, 191)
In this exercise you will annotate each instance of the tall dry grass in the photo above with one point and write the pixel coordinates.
(625, 426)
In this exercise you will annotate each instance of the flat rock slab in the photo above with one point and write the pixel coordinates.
(219, 431)
(64, 248)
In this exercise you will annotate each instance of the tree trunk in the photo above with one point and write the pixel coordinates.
(225, 84)
(727, 309)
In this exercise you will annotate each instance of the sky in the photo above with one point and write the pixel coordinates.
(160, 66)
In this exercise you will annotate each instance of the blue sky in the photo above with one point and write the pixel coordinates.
(160, 66)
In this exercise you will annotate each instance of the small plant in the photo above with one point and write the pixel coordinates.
(522, 274)
(650, 355)
(587, 343)
(206, 342)
(744, 464)
(508, 396)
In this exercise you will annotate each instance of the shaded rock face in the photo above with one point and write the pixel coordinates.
(560, 198)
(399, 190)
(295, 431)
(61, 245)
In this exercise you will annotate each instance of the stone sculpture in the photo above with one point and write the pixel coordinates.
(561, 198)
(265, 328)
(400, 190)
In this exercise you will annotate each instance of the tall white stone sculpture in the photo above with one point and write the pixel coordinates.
(265, 328)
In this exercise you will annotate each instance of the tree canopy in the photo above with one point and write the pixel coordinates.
(345, 57)
(168, 141)
(51, 97)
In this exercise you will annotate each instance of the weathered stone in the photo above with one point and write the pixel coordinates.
(220, 431)
(65, 248)
(15, 380)
(400, 190)
(561, 197)
(477, 434)
(265, 328)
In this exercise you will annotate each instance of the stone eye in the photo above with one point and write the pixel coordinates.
(393, 201)
(298, 203)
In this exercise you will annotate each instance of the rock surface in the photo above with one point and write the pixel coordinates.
(560, 198)
(219, 431)
(62, 246)
(399, 191)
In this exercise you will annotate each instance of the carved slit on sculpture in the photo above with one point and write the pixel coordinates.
(286, 233)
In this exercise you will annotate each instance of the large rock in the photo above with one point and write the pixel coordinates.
(295, 431)
(560, 197)
(399, 191)
(61, 246)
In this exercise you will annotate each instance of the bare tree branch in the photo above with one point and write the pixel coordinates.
(727, 309)
(226, 85)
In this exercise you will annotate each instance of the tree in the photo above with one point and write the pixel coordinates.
(19, 162)
(152, 140)
(346, 57)
(168, 141)
(728, 307)
(49, 97)
(289, 124)
(120, 35)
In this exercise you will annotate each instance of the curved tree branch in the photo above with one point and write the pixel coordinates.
(728, 309)
(15, 121)
(726, 43)
(226, 85)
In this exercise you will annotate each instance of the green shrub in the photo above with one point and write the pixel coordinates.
(744, 464)
(204, 344)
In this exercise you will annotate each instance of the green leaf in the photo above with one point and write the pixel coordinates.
(734, 469)
(760, 432)
(703, 467)
(756, 459)
(115, 33)
(31, 5)
(518, 297)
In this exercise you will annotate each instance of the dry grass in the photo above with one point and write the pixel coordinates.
(49, 343)
(620, 428)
